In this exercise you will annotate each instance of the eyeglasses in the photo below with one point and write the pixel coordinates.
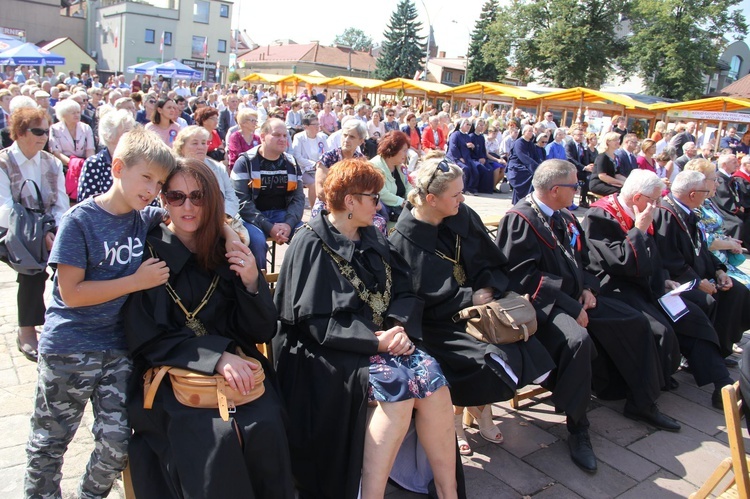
(150, 101)
(444, 167)
(572, 186)
(372, 195)
(653, 200)
(702, 190)
(542, 142)
(39, 131)
(177, 198)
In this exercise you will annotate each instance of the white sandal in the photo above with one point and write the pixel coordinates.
(487, 428)
(463, 446)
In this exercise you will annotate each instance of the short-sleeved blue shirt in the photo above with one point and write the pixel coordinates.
(108, 247)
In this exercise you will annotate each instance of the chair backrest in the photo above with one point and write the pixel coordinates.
(732, 413)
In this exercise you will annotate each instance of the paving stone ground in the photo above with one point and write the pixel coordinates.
(635, 461)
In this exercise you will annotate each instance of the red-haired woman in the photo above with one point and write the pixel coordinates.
(181, 451)
(208, 118)
(392, 156)
(349, 323)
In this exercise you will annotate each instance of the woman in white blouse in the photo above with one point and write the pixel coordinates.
(69, 137)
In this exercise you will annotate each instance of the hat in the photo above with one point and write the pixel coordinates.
(40, 93)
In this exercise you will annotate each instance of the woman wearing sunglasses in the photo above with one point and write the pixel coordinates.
(26, 159)
(146, 115)
(456, 265)
(349, 320)
(180, 451)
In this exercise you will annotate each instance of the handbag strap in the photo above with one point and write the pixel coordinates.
(151, 386)
(38, 193)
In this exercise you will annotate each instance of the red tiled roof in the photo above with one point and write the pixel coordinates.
(311, 52)
(740, 88)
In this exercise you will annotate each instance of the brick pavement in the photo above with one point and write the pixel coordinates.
(635, 461)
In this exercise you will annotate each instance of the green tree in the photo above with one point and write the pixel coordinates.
(563, 43)
(675, 43)
(479, 68)
(403, 50)
(354, 38)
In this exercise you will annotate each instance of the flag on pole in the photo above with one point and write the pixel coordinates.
(117, 36)
(205, 47)
(161, 46)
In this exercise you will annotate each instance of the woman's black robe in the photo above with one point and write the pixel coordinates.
(324, 346)
(465, 361)
(180, 451)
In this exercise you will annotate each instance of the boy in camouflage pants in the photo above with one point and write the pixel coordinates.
(82, 351)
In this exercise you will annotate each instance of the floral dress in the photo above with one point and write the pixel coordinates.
(396, 378)
(712, 224)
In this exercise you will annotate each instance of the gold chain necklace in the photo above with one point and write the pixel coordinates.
(377, 301)
(191, 321)
(458, 270)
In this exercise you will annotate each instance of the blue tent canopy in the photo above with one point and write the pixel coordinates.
(29, 54)
(175, 69)
(144, 68)
(8, 42)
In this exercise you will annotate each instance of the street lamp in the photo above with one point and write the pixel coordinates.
(468, 48)
(429, 35)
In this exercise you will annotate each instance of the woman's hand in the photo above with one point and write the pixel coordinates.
(482, 296)
(587, 299)
(707, 286)
(395, 341)
(241, 260)
(238, 372)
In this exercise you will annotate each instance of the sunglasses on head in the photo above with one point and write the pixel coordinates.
(444, 167)
(39, 131)
(177, 198)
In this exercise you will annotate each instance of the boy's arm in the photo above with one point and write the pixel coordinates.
(78, 292)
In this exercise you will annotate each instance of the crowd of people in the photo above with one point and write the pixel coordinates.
(164, 200)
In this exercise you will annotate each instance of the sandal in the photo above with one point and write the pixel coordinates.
(487, 428)
(463, 446)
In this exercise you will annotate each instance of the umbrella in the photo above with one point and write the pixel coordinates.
(8, 42)
(144, 68)
(30, 55)
(175, 69)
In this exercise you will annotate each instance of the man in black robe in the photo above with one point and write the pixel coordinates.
(623, 253)
(678, 235)
(547, 257)
(728, 198)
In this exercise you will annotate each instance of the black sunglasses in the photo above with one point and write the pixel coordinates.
(572, 186)
(39, 131)
(444, 167)
(177, 198)
(372, 195)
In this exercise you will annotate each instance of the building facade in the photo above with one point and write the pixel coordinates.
(195, 32)
(42, 20)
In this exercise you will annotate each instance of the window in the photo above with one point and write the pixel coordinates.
(461, 77)
(224, 10)
(734, 68)
(222, 46)
(447, 76)
(200, 11)
(150, 36)
(167, 38)
(198, 48)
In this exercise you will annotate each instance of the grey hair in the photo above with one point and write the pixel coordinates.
(186, 134)
(357, 125)
(687, 181)
(559, 131)
(425, 173)
(65, 107)
(21, 101)
(113, 124)
(641, 182)
(551, 172)
(526, 127)
(688, 145)
(724, 159)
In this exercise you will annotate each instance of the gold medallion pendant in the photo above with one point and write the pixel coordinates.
(459, 274)
(195, 325)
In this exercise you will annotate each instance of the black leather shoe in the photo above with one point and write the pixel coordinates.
(28, 350)
(581, 451)
(584, 204)
(672, 384)
(730, 362)
(652, 416)
(716, 400)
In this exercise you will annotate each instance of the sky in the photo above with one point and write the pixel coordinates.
(304, 21)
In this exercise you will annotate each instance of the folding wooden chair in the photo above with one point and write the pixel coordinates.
(265, 348)
(739, 486)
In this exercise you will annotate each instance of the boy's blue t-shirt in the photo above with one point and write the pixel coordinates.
(108, 247)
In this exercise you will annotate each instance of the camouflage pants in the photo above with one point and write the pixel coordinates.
(65, 384)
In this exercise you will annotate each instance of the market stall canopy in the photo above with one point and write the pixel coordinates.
(29, 54)
(352, 82)
(581, 95)
(709, 104)
(488, 90)
(263, 77)
(176, 69)
(296, 79)
(411, 87)
(144, 68)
